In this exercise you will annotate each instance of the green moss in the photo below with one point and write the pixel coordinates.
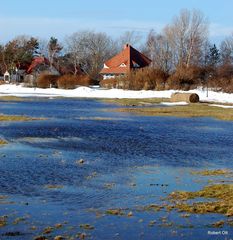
(191, 110)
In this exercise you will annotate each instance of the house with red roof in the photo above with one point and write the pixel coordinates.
(40, 64)
(127, 60)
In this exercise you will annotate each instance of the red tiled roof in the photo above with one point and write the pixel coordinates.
(37, 61)
(128, 56)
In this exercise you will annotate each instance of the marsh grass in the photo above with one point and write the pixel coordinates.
(215, 172)
(187, 111)
(117, 212)
(53, 186)
(86, 226)
(3, 221)
(12, 98)
(11, 118)
(3, 142)
(136, 101)
(221, 193)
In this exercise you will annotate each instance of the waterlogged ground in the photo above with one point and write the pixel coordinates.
(86, 172)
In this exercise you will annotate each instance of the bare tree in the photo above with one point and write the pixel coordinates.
(159, 51)
(89, 50)
(226, 50)
(186, 36)
(54, 48)
(131, 37)
(43, 47)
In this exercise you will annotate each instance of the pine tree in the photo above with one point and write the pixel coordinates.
(213, 56)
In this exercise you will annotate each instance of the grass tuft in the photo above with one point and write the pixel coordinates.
(187, 111)
(222, 193)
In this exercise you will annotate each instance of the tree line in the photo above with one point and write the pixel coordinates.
(181, 47)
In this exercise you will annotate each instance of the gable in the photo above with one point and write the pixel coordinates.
(127, 59)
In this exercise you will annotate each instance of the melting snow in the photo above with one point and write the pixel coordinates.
(96, 92)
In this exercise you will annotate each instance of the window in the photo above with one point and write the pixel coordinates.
(123, 65)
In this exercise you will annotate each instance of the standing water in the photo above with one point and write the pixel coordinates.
(88, 172)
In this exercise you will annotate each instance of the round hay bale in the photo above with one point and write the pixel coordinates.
(185, 97)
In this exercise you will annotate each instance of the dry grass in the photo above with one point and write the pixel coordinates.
(145, 78)
(136, 102)
(222, 193)
(47, 80)
(15, 118)
(12, 98)
(3, 221)
(3, 142)
(108, 83)
(215, 172)
(117, 212)
(191, 110)
(86, 226)
(72, 81)
(12, 118)
(53, 186)
(186, 78)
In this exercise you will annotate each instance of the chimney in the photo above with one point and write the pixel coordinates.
(126, 45)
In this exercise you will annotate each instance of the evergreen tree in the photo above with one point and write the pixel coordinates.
(213, 56)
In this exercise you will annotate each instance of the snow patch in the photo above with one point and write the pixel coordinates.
(94, 92)
(174, 104)
(221, 106)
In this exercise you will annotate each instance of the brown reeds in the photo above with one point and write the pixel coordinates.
(69, 81)
(47, 80)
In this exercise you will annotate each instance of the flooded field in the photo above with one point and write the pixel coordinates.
(87, 172)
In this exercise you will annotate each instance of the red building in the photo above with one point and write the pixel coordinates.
(125, 61)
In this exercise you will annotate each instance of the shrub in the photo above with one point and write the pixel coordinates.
(186, 78)
(72, 81)
(47, 80)
(109, 83)
(222, 79)
(144, 78)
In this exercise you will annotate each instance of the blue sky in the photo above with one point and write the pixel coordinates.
(60, 18)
